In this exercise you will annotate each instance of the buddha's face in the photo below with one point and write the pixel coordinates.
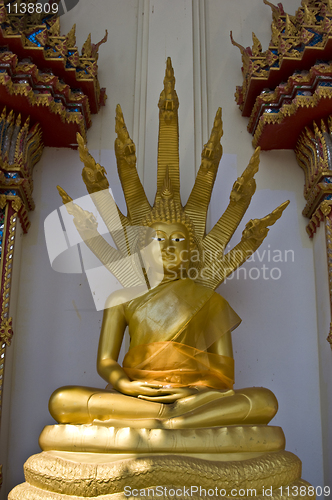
(168, 246)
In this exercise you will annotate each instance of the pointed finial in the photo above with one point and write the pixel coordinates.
(316, 129)
(309, 17)
(323, 126)
(257, 46)
(10, 117)
(65, 197)
(290, 28)
(306, 14)
(71, 37)
(168, 102)
(87, 47)
(18, 120)
(55, 28)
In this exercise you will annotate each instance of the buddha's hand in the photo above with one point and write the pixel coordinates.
(168, 394)
(137, 388)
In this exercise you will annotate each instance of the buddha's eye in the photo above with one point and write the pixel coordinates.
(158, 238)
(178, 239)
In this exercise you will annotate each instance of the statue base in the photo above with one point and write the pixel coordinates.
(232, 462)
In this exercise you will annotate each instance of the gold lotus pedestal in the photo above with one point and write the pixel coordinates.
(232, 461)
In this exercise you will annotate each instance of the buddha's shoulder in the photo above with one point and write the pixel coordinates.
(207, 291)
(123, 296)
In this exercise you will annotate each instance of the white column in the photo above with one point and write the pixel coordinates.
(175, 29)
(324, 350)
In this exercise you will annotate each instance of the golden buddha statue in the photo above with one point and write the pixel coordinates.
(172, 399)
(179, 370)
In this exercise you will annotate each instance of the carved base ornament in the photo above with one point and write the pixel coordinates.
(169, 417)
(60, 476)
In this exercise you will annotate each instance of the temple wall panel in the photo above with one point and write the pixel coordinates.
(57, 325)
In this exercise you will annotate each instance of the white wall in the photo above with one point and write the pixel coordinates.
(57, 327)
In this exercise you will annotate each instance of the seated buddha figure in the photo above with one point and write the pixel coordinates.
(179, 369)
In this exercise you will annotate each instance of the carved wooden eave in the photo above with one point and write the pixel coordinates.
(296, 43)
(39, 39)
(43, 76)
(287, 93)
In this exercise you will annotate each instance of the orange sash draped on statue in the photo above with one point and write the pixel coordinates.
(173, 348)
(179, 365)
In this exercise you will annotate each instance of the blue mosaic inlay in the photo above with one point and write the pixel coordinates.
(70, 53)
(328, 180)
(10, 192)
(318, 37)
(325, 84)
(12, 175)
(79, 70)
(271, 110)
(33, 37)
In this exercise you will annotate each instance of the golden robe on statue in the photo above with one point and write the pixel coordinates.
(171, 327)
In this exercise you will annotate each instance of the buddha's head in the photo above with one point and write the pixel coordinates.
(169, 237)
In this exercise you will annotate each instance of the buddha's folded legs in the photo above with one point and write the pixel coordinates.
(207, 408)
(83, 405)
(246, 406)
